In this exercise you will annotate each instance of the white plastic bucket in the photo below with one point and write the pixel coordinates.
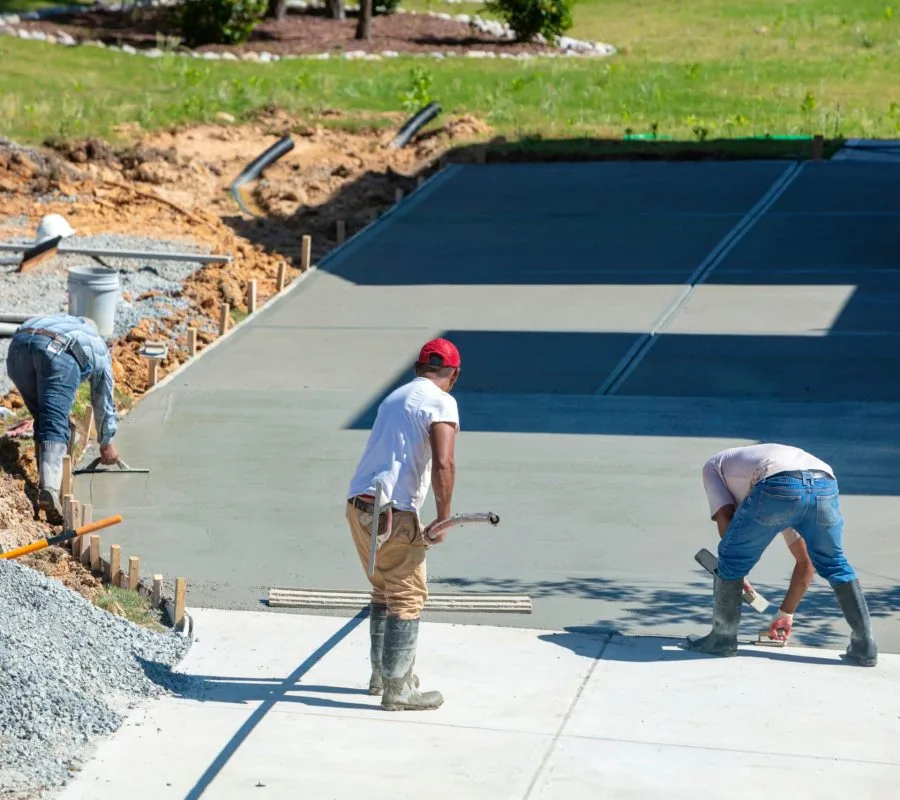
(94, 292)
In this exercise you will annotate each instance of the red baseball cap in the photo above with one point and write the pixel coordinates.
(439, 353)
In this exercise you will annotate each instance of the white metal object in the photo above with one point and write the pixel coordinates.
(489, 602)
(461, 519)
(51, 226)
(753, 598)
(149, 255)
(376, 517)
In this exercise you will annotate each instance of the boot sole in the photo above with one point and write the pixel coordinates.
(404, 707)
(860, 662)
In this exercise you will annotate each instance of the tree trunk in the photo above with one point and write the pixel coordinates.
(336, 9)
(365, 20)
(277, 9)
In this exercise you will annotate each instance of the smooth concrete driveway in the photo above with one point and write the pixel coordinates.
(618, 324)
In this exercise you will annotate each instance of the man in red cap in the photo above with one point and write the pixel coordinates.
(410, 448)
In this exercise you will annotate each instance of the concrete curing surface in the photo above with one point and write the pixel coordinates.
(618, 323)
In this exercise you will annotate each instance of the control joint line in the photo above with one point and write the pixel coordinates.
(641, 347)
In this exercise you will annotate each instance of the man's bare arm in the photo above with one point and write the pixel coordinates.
(723, 518)
(443, 466)
(801, 578)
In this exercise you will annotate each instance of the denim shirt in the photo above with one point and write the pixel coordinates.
(98, 369)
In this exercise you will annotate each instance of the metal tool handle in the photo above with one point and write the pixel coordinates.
(461, 519)
(376, 517)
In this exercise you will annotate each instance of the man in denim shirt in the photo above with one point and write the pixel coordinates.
(48, 359)
(755, 493)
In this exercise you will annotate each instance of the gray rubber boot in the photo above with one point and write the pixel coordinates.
(400, 692)
(862, 649)
(377, 623)
(722, 639)
(50, 461)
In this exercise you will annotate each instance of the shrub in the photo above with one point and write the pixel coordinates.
(385, 7)
(528, 18)
(220, 21)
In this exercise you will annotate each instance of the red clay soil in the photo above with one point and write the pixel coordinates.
(301, 32)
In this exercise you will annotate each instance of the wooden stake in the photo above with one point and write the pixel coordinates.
(68, 519)
(152, 370)
(94, 552)
(89, 429)
(341, 231)
(192, 341)
(251, 296)
(115, 564)
(305, 252)
(398, 195)
(156, 596)
(134, 573)
(180, 594)
(83, 519)
(282, 277)
(77, 542)
(66, 485)
(224, 314)
(818, 147)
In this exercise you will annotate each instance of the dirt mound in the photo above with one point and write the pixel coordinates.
(173, 185)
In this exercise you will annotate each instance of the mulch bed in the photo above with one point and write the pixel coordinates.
(301, 32)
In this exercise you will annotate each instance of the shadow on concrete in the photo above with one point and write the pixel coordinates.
(651, 649)
(691, 607)
(267, 694)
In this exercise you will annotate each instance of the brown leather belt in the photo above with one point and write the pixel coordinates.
(362, 505)
(65, 342)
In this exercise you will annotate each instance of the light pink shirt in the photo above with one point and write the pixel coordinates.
(729, 475)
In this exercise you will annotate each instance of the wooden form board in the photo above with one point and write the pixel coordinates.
(476, 601)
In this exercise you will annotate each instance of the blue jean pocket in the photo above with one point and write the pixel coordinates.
(776, 509)
(828, 511)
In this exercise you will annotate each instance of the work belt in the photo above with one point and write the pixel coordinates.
(799, 473)
(362, 505)
(63, 342)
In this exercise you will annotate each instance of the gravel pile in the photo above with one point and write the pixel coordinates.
(43, 289)
(68, 673)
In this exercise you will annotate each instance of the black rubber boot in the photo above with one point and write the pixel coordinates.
(862, 649)
(722, 639)
(400, 692)
(377, 623)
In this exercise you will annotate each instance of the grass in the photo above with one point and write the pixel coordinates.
(686, 71)
(133, 606)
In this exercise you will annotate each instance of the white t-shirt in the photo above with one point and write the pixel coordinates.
(729, 476)
(399, 448)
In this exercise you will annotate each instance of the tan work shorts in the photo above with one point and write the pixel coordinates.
(400, 579)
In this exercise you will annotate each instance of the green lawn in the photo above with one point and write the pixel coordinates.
(688, 69)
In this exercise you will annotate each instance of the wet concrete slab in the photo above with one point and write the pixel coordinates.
(251, 446)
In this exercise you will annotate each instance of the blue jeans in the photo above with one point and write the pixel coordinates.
(47, 382)
(804, 501)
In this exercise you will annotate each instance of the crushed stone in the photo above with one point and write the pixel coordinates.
(148, 287)
(69, 672)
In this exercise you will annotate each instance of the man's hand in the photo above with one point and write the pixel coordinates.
(109, 454)
(780, 628)
(441, 535)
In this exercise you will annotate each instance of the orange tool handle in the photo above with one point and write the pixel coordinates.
(40, 544)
